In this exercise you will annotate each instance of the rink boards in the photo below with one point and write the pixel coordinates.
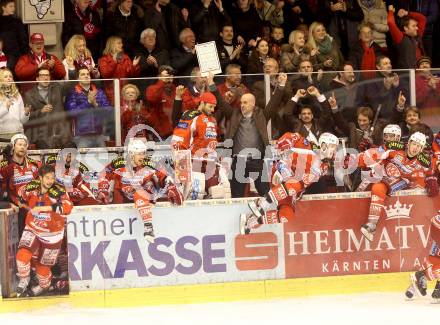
(199, 256)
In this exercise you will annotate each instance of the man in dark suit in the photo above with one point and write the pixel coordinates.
(47, 121)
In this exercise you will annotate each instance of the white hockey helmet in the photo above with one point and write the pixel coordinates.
(419, 138)
(393, 129)
(328, 144)
(136, 146)
(328, 138)
(18, 136)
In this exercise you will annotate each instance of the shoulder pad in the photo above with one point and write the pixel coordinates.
(32, 185)
(33, 161)
(83, 168)
(4, 163)
(424, 159)
(118, 162)
(52, 159)
(189, 115)
(394, 145)
(56, 191)
(149, 163)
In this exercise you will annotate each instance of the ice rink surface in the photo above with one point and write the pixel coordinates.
(371, 308)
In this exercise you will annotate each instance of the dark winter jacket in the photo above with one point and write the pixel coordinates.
(207, 23)
(127, 27)
(168, 23)
(15, 39)
(73, 25)
(162, 57)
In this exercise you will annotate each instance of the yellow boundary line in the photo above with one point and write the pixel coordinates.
(216, 292)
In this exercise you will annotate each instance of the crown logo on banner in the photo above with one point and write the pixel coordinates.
(398, 210)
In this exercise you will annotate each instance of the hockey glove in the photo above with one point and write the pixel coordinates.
(174, 195)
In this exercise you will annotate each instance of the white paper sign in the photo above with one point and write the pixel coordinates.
(208, 58)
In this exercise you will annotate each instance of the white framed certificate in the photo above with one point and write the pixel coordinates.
(207, 56)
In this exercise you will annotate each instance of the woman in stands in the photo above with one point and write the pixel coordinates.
(78, 55)
(116, 64)
(294, 52)
(13, 112)
(258, 57)
(133, 112)
(329, 55)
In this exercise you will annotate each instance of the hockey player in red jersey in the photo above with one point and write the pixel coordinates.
(302, 168)
(391, 133)
(47, 204)
(70, 173)
(399, 169)
(17, 171)
(197, 131)
(430, 269)
(136, 179)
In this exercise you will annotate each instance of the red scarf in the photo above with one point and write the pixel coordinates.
(90, 30)
(368, 61)
(83, 62)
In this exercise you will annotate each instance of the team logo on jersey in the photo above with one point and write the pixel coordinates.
(22, 179)
(392, 170)
(42, 216)
(182, 125)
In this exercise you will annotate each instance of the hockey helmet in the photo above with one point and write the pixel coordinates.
(328, 138)
(18, 136)
(328, 143)
(393, 129)
(136, 146)
(419, 138)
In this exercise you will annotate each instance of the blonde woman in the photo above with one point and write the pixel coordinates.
(133, 111)
(78, 55)
(116, 64)
(328, 55)
(13, 113)
(296, 51)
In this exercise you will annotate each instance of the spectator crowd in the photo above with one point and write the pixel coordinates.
(354, 54)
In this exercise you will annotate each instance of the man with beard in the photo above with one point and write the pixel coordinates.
(16, 172)
(344, 88)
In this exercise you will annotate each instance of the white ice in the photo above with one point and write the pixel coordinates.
(371, 309)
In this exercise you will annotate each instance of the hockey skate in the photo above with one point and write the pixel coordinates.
(368, 231)
(247, 222)
(436, 293)
(22, 286)
(410, 292)
(254, 206)
(37, 291)
(149, 232)
(419, 283)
